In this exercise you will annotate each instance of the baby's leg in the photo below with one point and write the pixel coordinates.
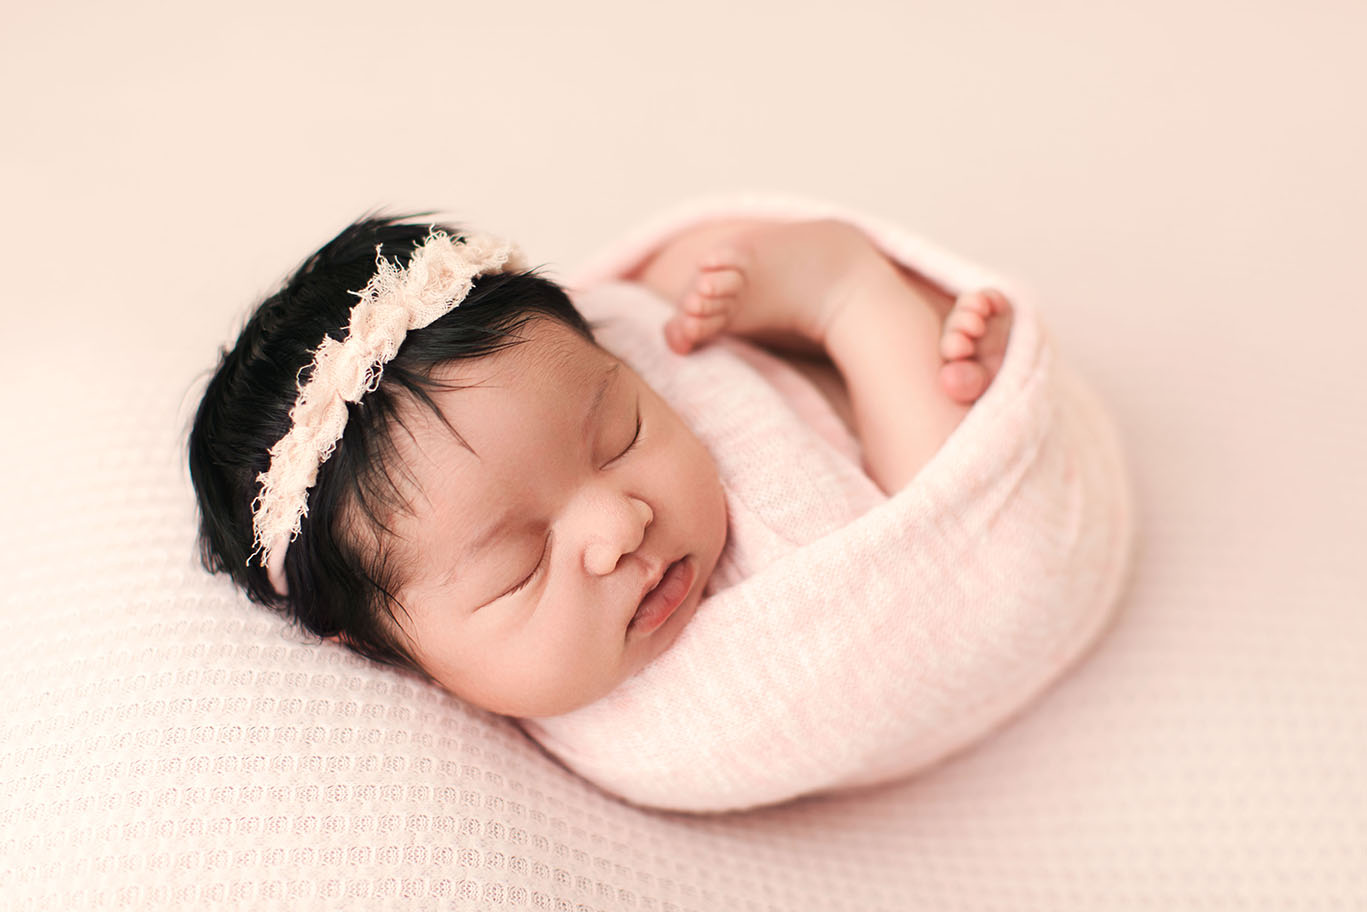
(912, 359)
(746, 277)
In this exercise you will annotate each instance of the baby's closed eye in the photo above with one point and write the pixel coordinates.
(541, 562)
(635, 436)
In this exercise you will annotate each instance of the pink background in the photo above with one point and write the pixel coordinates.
(1183, 182)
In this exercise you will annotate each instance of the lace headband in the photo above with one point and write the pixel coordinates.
(397, 300)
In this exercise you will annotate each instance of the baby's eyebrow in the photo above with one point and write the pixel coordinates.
(599, 395)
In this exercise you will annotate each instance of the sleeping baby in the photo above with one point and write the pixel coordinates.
(701, 529)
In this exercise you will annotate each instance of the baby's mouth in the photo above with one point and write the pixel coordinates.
(663, 600)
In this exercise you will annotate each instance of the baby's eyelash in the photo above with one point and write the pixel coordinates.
(523, 585)
(635, 438)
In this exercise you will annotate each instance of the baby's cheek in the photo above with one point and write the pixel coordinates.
(709, 502)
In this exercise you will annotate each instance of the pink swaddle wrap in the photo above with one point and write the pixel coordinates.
(848, 638)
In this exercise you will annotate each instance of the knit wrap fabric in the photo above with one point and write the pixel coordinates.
(848, 638)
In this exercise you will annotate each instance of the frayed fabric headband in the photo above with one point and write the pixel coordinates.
(396, 301)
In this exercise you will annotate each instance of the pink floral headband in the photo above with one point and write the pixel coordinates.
(397, 300)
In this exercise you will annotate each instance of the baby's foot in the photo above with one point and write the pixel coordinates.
(973, 343)
(709, 303)
(777, 283)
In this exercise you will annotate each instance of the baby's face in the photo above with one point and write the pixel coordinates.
(533, 554)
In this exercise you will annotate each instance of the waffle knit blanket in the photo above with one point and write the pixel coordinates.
(848, 638)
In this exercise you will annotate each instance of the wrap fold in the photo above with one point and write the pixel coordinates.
(848, 638)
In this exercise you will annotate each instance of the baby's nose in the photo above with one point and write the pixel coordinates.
(622, 534)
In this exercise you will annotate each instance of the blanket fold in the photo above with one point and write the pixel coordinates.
(848, 638)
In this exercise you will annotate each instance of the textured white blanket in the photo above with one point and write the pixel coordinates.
(848, 638)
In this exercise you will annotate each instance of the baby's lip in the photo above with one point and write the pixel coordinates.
(653, 580)
(658, 604)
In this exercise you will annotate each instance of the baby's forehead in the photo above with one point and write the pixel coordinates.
(539, 349)
(544, 381)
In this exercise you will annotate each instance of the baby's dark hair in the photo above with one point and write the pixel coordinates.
(341, 571)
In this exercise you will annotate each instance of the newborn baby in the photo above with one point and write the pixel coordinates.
(568, 532)
(462, 482)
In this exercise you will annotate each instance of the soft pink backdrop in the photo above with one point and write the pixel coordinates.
(1183, 181)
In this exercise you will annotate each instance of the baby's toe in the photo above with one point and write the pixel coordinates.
(677, 337)
(714, 292)
(967, 322)
(685, 332)
(963, 381)
(721, 282)
(978, 302)
(956, 346)
(696, 304)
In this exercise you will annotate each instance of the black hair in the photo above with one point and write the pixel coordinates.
(341, 572)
